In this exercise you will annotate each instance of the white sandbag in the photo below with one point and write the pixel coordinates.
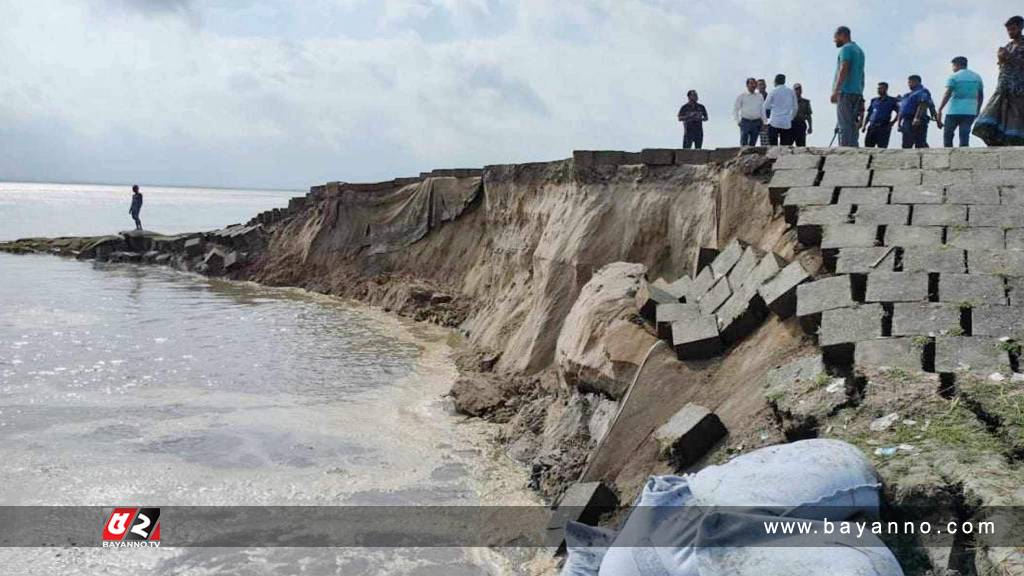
(585, 548)
(811, 474)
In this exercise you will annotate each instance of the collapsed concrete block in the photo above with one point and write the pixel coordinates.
(916, 195)
(981, 355)
(943, 260)
(650, 295)
(1002, 262)
(848, 235)
(896, 160)
(811, 220)
(940, 214)
(689, 435)
(163, 258)
(798, 162)
(846, 178)
(883, 214)
(796, 198)
(680, 289)
(972, 288)
(697, 338)
(741, 314)
(782, 179)
(233, 260)
(214, 260)
(897, 287)
(824, 294)
(969, 193)
(998, 321)
(779, 293)
(925, 319)
(913, 236)
(898, 353)
(766, 269)
(700, 286)
(715, 297)
(150, 256)
(976, 238)
(897, 178)
(703, 259)
(999, 216)
(863, 260)
(583, 502)
(861, 196)
(668, 313)
(744, 266)
(658, 156)
(728, 258)
(193, 246)
(849, 325)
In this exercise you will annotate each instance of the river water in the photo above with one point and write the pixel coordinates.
(132, 385)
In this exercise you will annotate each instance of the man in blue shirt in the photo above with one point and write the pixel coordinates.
(914, 109)
(848, 87)
(965, 93)
(880, 118)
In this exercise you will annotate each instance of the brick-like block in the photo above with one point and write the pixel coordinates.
(1015, 291)
(744, 266)
(715, 297)
(943, 259)
(779, 293)
(1015, 239)
(1012, 159)
(793, 179)
(797, 198)
(972, 194)
(935, 159)
(689, 435)
(696, 339)
(727, 258)
(897, 287)
(917, 195)
(939, 214)
(193, 247)
(863, 260)
(998, 177)
(882, 214)
(798, 162)
(658, 156)
(650, 295)
(680, 289)
(583, 502)
(896, 160)
(947, 178)
(741, 314)
(849, 235)
(855, 160)
(901, 353)
(214, 260)
(998, 321)
(973, 159)
(862, 196)
(822, 215)
(704, 258)
(973, 288)
(897, 178)
(702, 283)
(766, 269)
(825, 294)
(1012, 195)
(666, 314)
(976, 354)
(1002, 262)
(233, 260)
(846, 178)
(998, 216)
(924, 318)
(692, 157)
(583, 158)
(848, 325)
(913, 236)
(976, 238)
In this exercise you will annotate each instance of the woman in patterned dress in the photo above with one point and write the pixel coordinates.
(1001, 123)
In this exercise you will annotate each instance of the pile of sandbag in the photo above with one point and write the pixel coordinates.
(712, 523)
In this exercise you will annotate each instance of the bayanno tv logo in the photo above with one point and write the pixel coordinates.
(132, 528)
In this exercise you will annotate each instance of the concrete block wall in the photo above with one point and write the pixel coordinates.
(929, 244)
(584, 159)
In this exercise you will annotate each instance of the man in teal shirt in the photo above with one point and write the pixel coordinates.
(848, 87)
(965, 93)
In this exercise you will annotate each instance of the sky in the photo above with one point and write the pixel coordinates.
(288, 94)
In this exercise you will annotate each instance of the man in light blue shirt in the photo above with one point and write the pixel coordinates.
(848, 87)
(965, 93)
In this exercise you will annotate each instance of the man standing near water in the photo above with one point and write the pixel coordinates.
(848, 87)
(136, 206)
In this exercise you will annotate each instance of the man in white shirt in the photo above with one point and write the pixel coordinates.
(748, 112)
(780, 108)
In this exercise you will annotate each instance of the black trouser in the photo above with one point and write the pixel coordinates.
(693, 136)
(778, 136)
(878, 136)
(914, 136)
(138, 223)
(799, 131)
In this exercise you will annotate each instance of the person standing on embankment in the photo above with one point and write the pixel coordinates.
(1002, 121)
(136, 207)
(848, 87)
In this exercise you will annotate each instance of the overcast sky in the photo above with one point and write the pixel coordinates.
(276, 93)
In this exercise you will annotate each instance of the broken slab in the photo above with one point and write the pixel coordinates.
(925, 318)
(998, 321)
(863, 260)
(939, 214)
(891, 353)
(779, 293)
(825, 294)
(897, 287)
(849, 325)
(943, 259)
(882, 214)
(862, 196)
(848, 235)
(650, 294)
(905, 236)
(846, 178)
(689, 435)
(981, 355)
(697, 338)
(972, 289)
(666, 314)
(976, 238)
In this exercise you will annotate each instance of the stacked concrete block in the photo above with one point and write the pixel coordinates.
(668, 314)
(882, 214)
(779, 293)
(864, 260)
(973, 160)
(1001, 262)
(798, 162)
(785, 179)
(650, 295)
(889, 353)
(797, 198)
(713, 300)
(852, 178)
(696, 338)
(998, 321)
(1015, 239)
(917, 194)
(905, 236)
(934, 260)
(846, 161)
(970, 193)
(836, 236)
(813, 219)
(976, 238)
(896, 160)
(1011, 159)
(997, 216)
(727, 258)
(925, 319)
(681, 289)
(897, 178)
(897, 287)
(1012, 195)
(813, 298)
(583, 502)
(939, 215)
(861, 196)
(850, 325)
(980, 355)
(701, 284)
(972, 289)
(689, 435)
(998, 177)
